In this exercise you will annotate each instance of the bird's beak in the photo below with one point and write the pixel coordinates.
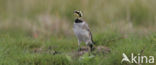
(76, 15)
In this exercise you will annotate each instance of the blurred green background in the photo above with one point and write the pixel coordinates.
(56, 16)
(31, 29)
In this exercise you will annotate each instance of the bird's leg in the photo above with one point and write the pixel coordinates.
(79, 47)
(88, 47)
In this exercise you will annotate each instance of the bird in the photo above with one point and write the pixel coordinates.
(82, 31)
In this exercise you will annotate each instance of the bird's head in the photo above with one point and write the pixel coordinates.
(78, 14)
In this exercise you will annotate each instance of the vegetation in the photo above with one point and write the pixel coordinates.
(37, 32)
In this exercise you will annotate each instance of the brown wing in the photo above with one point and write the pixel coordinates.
(85, 26)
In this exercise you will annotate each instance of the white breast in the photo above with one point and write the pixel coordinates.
(82, 34)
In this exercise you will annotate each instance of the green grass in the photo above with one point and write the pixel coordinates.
(32, 30)
(19, 49)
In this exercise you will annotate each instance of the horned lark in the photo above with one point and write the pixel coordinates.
(82, 31)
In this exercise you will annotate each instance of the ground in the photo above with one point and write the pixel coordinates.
(22, 49)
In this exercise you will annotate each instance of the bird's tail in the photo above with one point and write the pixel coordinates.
(91, 47)
(93, 42)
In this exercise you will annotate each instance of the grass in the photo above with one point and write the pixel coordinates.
(24, 50)
(31, 31)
